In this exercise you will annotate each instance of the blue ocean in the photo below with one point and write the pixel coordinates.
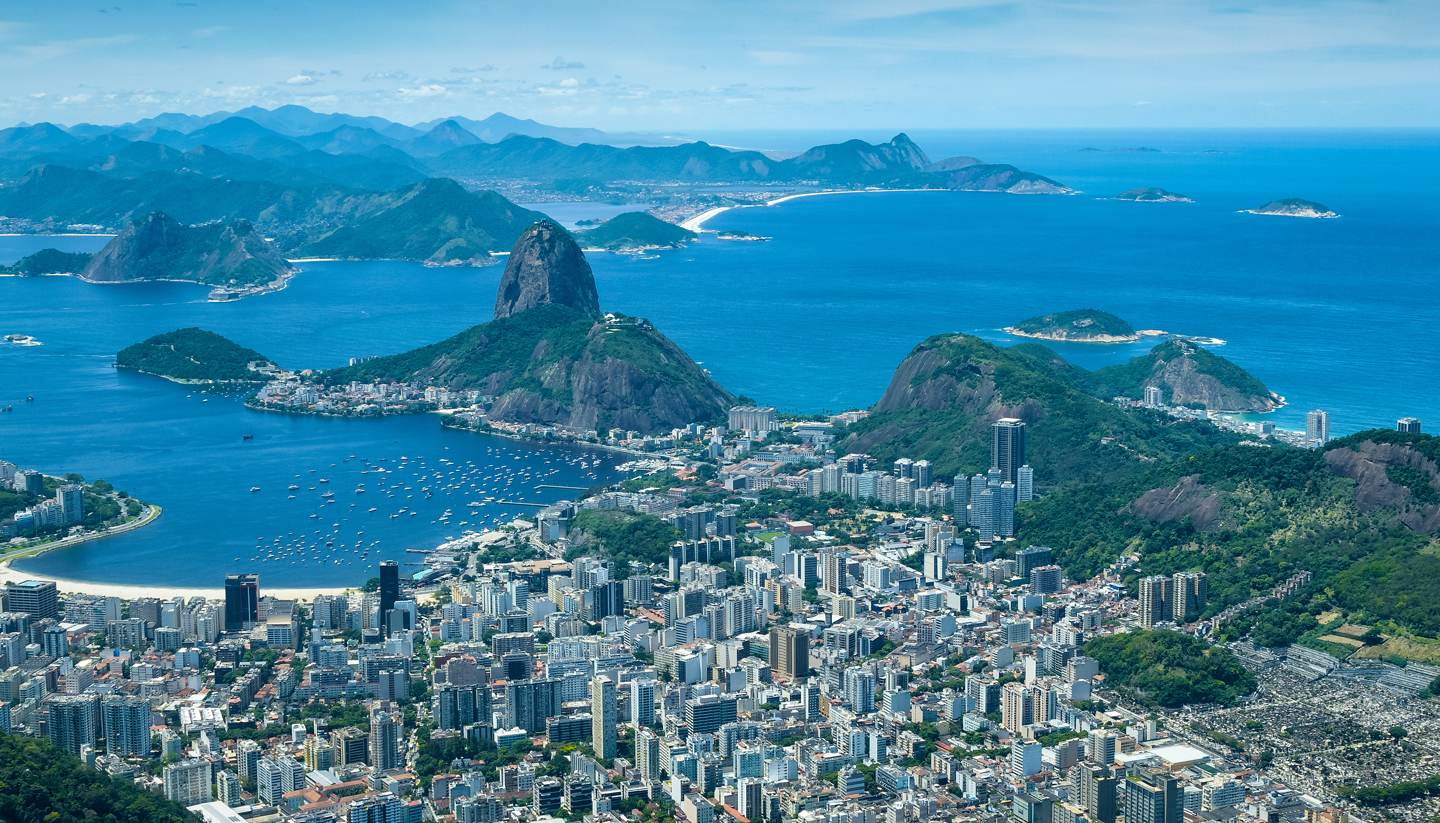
(1336, 314)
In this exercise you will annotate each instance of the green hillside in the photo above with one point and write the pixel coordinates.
(48, 261)
(192, 354)
(554, 364)
(946, 393)
(636, 229)
(42, 784)
(1077, 325)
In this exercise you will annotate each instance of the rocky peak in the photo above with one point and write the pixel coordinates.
(546, 267)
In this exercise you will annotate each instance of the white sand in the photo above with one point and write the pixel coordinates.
(131, 591)
(698, 222)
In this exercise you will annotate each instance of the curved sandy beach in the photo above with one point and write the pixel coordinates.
(698, 222)
(129, 591)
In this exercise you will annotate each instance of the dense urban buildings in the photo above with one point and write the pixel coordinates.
(899, 652)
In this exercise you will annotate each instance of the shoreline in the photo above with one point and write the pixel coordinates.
(131, 591)
(151, 513)
(1055, 338)
(697, 222)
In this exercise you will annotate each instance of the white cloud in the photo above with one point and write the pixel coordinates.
(422, 90)
(561, 64)
(301, 80)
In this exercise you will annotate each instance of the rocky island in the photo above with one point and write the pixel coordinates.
(193, 355)
(635, 231)
(1076, 326)
(1151, 194)
(230, 255)
(1294, 207)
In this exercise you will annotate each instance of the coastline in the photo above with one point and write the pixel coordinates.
(148, 516)
(1305, 216)
(128, 591)
(1056, 338)
(131, 591)
(697, 222)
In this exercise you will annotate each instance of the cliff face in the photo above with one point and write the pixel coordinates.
(1188, 499)
(1187, 375)
(946, 393)
(546, 267)
(158, 247)
(549, 356)
(627, 375)
(1193, 383)
(1392, 476)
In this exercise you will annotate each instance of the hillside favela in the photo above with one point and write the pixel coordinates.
(928, 411)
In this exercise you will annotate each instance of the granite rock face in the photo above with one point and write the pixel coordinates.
(159, 247)
(546, 268)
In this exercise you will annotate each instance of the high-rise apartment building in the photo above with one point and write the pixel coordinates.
(1007, 446)
(789, 652)
(242, 600)
(603, 717)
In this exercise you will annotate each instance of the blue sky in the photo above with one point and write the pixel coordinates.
(689, 67)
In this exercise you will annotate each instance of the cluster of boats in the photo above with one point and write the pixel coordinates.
(389, 492)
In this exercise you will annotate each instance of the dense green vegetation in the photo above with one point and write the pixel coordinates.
(518, 347)
(192, 354)
(944, 396)
(101, 508)
(1130, 378)
(42, 784)
(159, 247)
(1170, 669)
(635, 229)
(435, 220)
(632, 376)
(1076, 324)
(1392, 793)
(623, 537)
(1180, 495)
(48, 261)
(1282, 510)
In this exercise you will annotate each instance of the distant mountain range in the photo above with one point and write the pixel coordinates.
(336, 185)
(294, 145)
(299, 121)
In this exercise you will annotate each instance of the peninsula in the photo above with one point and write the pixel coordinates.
(1294, 207)
(230, 255)
(1076, 326)
(549, 358)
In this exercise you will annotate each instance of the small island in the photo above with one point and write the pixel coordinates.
(196, 356)
(48, 261)
(635, 231)
(1295, 207)
(1151, 194)
(1076, 326)
(742, 236)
